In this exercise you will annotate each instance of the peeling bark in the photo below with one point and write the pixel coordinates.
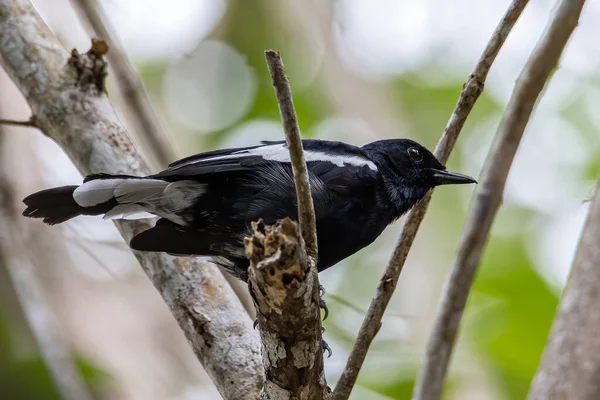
(287, 303)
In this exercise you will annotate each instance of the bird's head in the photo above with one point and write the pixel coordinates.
(410, 170)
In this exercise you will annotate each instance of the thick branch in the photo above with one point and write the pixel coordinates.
(306, 210)
(149, 130)
(471, 91)
(287, 304)
(283, 277)
(79, 117)
(571, 360)
(489, 194)
(131, 88)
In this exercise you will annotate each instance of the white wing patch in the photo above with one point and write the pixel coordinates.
(140, 190)
(128, 211)
(96, 192)
(280, 153)
(141, 198)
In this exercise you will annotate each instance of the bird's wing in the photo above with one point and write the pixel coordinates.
(325, 153)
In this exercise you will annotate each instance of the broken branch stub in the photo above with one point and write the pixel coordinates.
(281, 283)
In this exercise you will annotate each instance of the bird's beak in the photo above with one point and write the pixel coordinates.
(444, 177)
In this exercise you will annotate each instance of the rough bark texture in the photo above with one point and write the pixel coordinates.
(471, 91)
(488, 197)
(570, 367)
(131, 88)
(287, 304)
(68, 106)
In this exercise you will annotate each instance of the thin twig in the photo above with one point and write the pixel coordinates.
(306, 210)
(30, 123)
(149, 127)
(284, 279)
(471, 91)
(488, 196)
(571, 360)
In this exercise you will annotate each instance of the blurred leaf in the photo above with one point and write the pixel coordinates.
(514, 309)
(575, 113)
(400, 388)
(28, 378)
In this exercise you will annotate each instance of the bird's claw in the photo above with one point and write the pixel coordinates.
(322, 303)
(255, 324)
(326, 348)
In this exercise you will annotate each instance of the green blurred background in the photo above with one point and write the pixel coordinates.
(360, 70)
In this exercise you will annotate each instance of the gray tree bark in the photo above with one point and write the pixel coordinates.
(68, 104)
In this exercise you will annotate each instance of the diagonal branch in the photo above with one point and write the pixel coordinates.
(283, 277)
(471, 91)
(149, 129)
(488, 197)
(69, 107)
(130, 86)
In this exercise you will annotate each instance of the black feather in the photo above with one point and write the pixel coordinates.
(57, 205)
(357, 192)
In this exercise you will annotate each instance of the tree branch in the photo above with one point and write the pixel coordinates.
(130, 86)
(283, 277)
(488, 197)
(287, 306)
(471, 91)
(149, 129)
(571, 360)
(306, 210)
(70, 108)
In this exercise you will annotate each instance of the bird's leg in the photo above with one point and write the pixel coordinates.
(322, 302)
(323, 305)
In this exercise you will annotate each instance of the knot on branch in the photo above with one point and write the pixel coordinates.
(277, 263)
(91, 67)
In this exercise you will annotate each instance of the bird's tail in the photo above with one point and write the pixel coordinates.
(101, 194)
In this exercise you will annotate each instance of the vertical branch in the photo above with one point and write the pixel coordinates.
(571, 360)
(471, 91)
(149, 127)
(306, 210)
(488, 197)
(283, 277)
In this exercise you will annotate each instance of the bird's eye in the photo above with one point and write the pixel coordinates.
(415, 154)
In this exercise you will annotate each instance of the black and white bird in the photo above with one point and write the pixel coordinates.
(206, 202)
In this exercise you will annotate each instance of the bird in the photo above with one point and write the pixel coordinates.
(206, 202)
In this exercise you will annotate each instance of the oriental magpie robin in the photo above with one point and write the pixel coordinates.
(207, 201)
